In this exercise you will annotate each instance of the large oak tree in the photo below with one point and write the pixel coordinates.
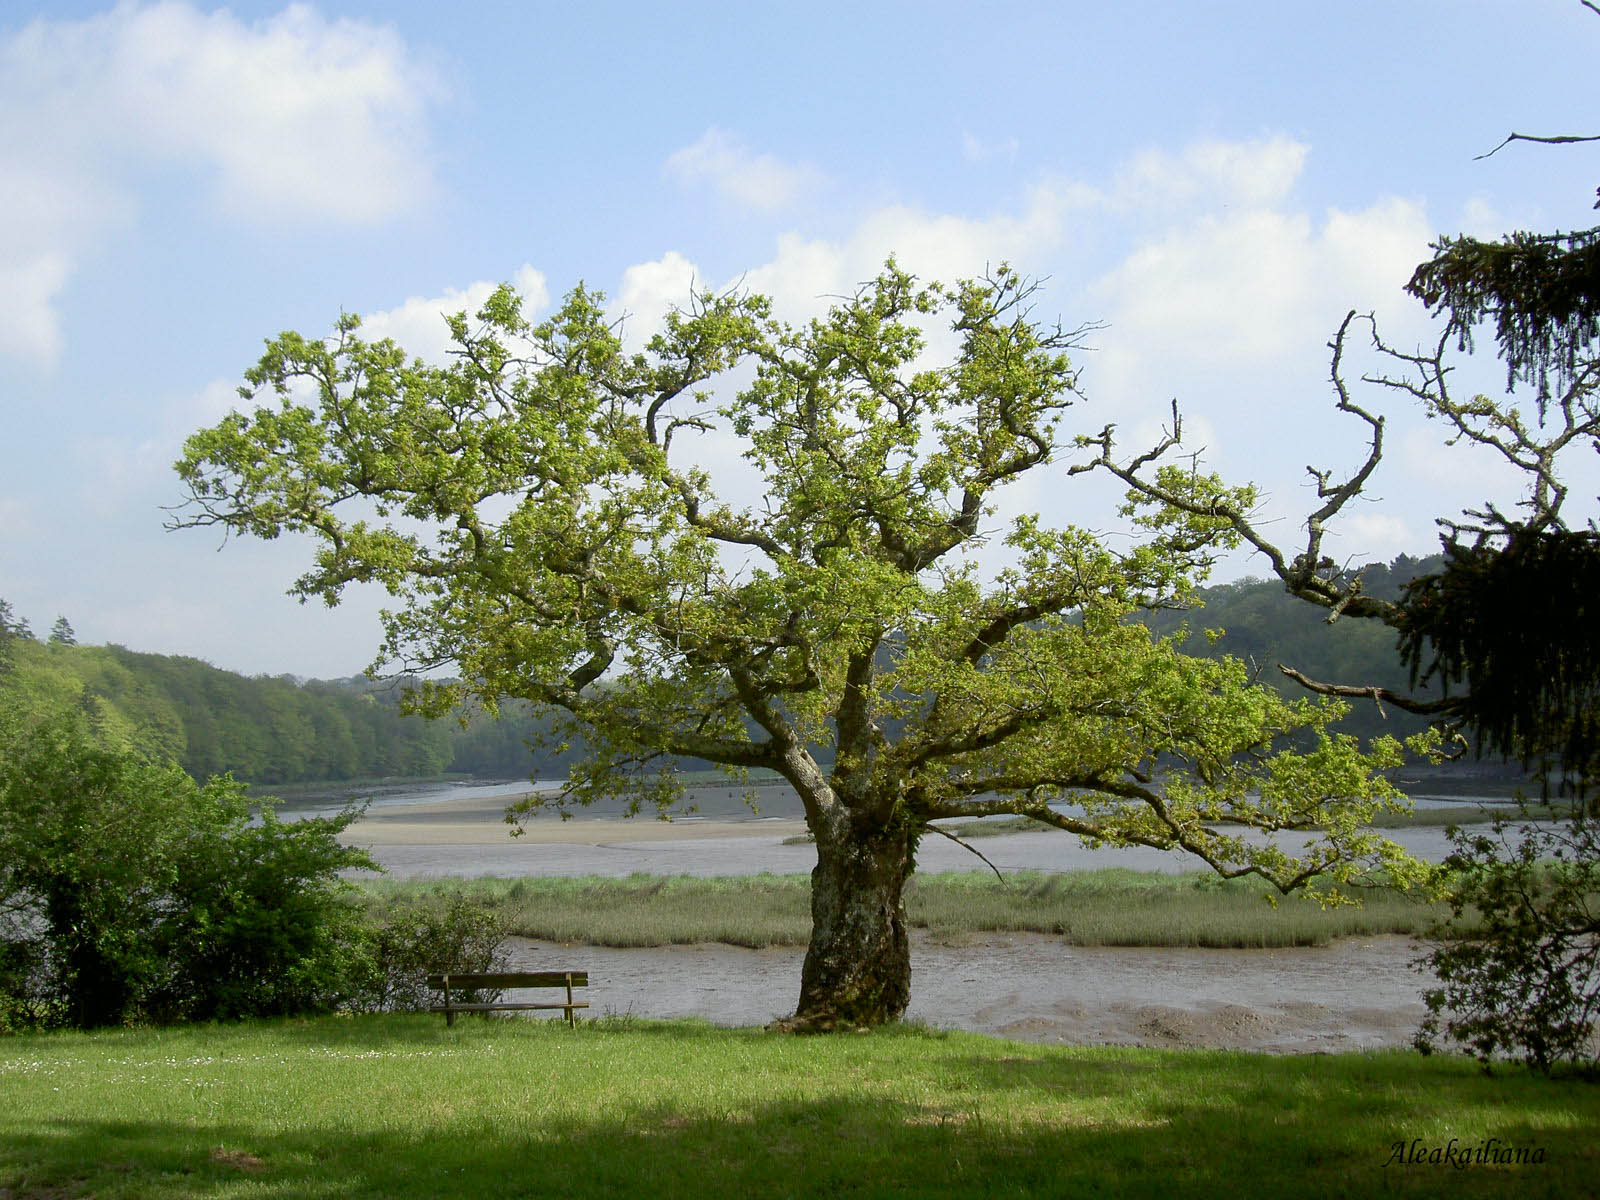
(551, 513)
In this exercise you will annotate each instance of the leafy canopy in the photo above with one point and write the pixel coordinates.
(544, 508)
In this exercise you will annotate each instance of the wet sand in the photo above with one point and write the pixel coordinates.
(469, 838)
(480, 821)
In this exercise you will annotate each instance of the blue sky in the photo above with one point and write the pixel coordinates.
(1216, 182)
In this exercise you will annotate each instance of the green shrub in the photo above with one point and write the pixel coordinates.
(440, 932)
(1524, 983)
(130, 893)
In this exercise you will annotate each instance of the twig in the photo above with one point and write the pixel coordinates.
(967, 846)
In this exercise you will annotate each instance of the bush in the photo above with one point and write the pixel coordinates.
(128, 892)
(449, 932)
(1525, 984)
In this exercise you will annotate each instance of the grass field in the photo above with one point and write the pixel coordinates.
(399, 1105)
(1112, 907)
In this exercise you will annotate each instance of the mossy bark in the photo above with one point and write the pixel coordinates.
(857, 970)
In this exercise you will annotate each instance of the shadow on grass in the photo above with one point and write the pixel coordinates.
(1014, 1123)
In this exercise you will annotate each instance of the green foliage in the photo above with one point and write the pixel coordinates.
(1264, 626)
(532, 508)
(540, 528)
(440, 929)
(129, 892)
(12, 625)
(265, 730)
(1525, 984)
(1542, 290)
(1508, 616)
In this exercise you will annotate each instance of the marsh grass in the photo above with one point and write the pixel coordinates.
(1112, 907)
(400, 1105)
(1477, 815)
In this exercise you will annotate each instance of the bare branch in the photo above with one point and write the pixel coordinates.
(1376, 694)
(969, 848)
(1308, 574)
(1528, 137)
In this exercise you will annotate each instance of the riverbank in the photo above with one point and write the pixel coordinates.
(1098, 958)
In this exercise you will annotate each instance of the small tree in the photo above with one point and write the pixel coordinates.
(61, 633)
(12, 625)
(1525, 983)
(543, 509)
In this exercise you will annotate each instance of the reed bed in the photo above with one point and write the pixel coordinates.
(1112, 907)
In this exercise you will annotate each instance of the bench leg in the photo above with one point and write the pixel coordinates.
(572, 1015)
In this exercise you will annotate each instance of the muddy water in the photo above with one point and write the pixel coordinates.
(1359, 993)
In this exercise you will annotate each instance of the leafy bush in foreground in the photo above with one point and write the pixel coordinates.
(1526, 984)
(453, 932)
(128, 892)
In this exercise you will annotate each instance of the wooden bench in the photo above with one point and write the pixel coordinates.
(447, 982)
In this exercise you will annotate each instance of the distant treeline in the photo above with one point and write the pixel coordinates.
(277, 730)
(265, 730)
(1264, 626)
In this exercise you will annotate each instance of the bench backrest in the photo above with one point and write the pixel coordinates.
(510, 979)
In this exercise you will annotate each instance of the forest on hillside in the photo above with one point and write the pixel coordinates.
(280, 730)
(264, 729)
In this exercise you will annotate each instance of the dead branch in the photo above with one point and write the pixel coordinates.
(1376, 694)
(969, 848)
(1558, 139)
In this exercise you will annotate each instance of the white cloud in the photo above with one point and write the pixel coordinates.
(807, 276)
(1210, 174)
(16, 517)
(123, 474)
(977, 150)
(30, 326)
(1480, 219)
(1253, 289)
(294, 118)
(650, 289)
(1369, 537)
(1223, 292)
(418, 325)
(740, 176)
(1221, 288)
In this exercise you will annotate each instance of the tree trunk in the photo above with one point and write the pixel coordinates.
(858, 967)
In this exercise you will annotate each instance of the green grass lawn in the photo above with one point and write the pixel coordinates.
(1111, 907)
(399, 1105)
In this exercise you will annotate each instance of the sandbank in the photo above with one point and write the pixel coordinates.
(480, 821)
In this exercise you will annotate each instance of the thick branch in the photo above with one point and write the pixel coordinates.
(1378, 695)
